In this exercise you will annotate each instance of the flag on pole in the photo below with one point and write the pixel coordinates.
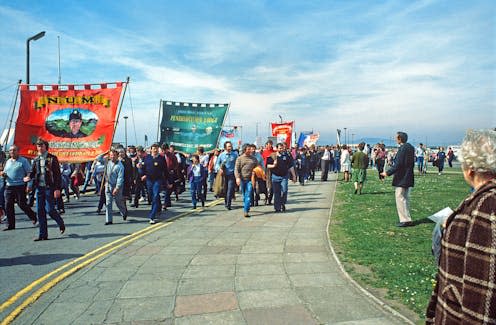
(78, 121)
(283, 132)
(190, 125)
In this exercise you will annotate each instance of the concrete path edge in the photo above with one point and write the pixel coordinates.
(367, 293)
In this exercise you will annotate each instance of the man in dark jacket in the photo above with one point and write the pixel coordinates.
(45, 174)
(155, 174)
(402, 169)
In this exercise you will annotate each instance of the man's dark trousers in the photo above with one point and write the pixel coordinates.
(13, 193)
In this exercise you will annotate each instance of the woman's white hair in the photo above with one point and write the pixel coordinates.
(478, 151)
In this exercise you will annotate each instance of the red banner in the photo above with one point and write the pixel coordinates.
(283, 132)
(77, 123)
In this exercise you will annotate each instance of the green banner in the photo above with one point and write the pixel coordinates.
(190, 125)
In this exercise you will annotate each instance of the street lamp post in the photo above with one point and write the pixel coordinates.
(352, 138)
(125, 130)
(32, 38)
(345, 138)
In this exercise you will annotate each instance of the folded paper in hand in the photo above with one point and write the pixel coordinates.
(441, 215)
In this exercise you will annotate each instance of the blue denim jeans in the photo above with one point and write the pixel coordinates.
(230, 182)
(154, 187)
(195, 188)
(280, 188)
(45, 203)
(87, 177)
(246, 188)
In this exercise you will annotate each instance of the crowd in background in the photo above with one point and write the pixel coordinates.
(222, 172)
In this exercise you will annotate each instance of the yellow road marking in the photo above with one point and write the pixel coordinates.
(127, 239)
(38, 293)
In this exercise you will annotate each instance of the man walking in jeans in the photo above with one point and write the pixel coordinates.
(403, 166)
(155, 173)
(225, 166)
(45, 173)
(244, 173)
(280, 168)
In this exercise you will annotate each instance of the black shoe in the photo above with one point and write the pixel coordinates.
(34, 220)
(203, 204)
(108, 223)
(277, 211)
(405, 224)
(124, 217)
(283, 207)
(136, 205)
(8, 228)
(98, 211)
(62, 229)
(356, 191)
(40, 238)
(246, 215)
(228, 207)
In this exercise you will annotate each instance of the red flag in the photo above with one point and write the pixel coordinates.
(77, 123)
(283, 132)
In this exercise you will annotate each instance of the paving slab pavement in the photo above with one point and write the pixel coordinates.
(216, 267)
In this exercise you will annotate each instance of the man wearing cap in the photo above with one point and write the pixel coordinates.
(45, 174)
(75, 122)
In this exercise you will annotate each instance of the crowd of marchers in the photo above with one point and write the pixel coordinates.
(467, 238)
(136, 175)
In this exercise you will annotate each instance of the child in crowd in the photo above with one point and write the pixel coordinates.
(197, 174)
(260, 186)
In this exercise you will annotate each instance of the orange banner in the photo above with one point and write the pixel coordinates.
(283, 132)
(77, 123)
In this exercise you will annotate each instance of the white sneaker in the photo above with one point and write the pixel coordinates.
(152, 221)
(141, 199)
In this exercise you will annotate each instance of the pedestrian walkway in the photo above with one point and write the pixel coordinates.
(216, 267)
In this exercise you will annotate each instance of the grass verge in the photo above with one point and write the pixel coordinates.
(397, 262)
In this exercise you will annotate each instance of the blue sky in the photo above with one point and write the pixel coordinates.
(374, 67)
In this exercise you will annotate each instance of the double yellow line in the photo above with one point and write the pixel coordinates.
(85, 260)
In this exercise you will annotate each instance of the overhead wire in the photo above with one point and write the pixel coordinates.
(132, 115)
(12, 107)
(7, 87)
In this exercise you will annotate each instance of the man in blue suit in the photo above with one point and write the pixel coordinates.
(403, 166)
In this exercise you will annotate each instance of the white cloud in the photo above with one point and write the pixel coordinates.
(371, 70)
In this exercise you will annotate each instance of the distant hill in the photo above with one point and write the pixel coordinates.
(387, 141)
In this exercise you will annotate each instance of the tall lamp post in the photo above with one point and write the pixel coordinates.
(352, 138)
(345, 138)
(125, 130)
(32, 38)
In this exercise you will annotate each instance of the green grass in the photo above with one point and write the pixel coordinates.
(364, 233)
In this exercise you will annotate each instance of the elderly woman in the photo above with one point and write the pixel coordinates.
(465, 292)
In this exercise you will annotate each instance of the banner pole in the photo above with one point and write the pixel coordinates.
(119, 110)
(6, 140)
(223, 123)
(159, 121)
